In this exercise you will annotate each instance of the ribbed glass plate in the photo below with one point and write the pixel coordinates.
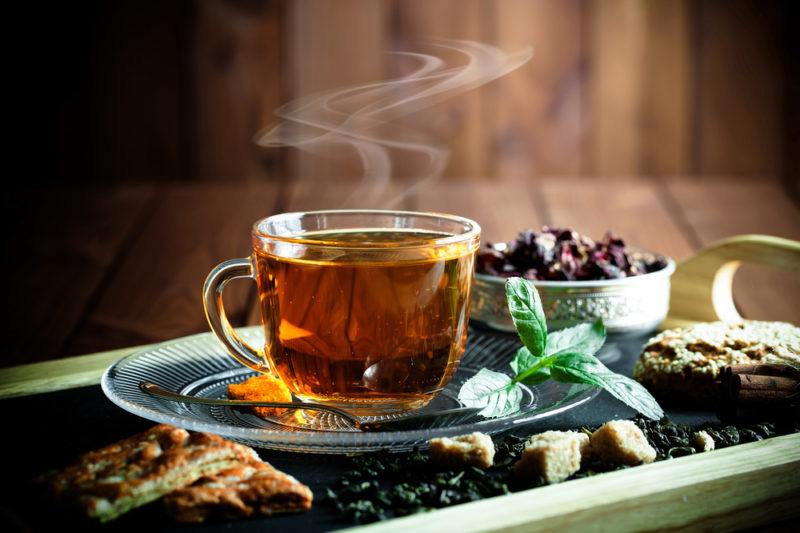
(199, 366)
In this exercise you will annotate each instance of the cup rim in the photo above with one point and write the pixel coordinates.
(473, 231)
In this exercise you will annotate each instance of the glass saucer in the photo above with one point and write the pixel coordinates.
(199, 366)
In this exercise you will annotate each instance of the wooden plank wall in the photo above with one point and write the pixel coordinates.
(176, 91)
(615, 88)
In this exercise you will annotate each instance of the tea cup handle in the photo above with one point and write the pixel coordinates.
(215, 283)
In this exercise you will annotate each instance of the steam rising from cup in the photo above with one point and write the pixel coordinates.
(364, 117)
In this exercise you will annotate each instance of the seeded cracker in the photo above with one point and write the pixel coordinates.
(119, 477)
(680, 365)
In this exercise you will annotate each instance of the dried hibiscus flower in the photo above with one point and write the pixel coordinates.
(560, 254)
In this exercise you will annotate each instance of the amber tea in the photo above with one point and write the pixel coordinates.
(362, 309)
(357, 330)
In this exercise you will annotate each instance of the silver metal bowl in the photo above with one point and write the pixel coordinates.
(634, 305)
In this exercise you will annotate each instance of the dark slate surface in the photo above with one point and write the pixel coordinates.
(47, 431)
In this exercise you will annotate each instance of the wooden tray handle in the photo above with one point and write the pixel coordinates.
(702, 285)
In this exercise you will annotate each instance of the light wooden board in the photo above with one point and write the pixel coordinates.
(61, 374)
(727, 489)
(732, 488)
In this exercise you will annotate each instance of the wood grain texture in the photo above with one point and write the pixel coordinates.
(640, 87)
(668, 107)
(63, 245)
(617, 44)
(237, 76)
(738, 487)
(616, 87)
(311, 195)
(155, 293)
(535, 117)
(331, 44)
(630, 208)
(461, 122)
(715, 209)
(501, 208)
(740, 87)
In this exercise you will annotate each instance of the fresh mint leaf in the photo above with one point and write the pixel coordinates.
(527, 314)
(583, 368)
(529, 369)
(539, 375)
(583, 339)
(523, 360)
(492, 391)
(566, 356)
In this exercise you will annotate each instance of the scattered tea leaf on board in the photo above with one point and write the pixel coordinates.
(492, 391)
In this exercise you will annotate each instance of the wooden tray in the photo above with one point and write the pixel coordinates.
(732, 488)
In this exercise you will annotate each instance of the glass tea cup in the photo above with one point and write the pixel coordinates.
(365, 310)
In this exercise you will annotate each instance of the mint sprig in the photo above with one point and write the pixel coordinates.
(566, 356)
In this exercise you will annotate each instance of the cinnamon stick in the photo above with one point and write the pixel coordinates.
(759, 391)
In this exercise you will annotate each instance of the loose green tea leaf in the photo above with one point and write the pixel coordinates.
(493, 391)
(383, 485)
(527, 314)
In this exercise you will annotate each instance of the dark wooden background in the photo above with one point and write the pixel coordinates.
(132, 171)
(176, 90)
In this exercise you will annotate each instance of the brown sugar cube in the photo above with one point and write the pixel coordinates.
(553, 455)
(585, 446)
(621, 442)
(476, 449)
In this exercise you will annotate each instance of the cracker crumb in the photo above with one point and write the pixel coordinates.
(621, 442)
(476, 449)
(553, 455)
